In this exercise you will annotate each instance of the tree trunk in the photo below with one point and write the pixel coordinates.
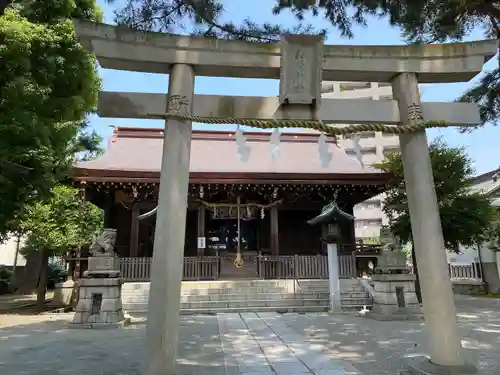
(415, 270)
(75, 294)
(42, 281)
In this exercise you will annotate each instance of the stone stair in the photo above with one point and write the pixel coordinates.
(203, 297)
(352, 295)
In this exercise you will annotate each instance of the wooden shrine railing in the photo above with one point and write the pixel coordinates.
(201, 268)
(303, 266)
(268, 267)
(195, 268)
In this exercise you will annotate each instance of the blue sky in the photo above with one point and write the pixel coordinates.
(482, 144)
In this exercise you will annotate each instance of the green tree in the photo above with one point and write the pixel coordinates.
(420, 21)
(48, 82)
(465, 216)
(57, 225)
(172, 16)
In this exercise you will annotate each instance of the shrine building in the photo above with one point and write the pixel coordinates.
(256, 206)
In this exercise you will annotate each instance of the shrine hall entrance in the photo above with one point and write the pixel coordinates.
(234, 239)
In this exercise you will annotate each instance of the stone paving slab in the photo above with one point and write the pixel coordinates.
(228, 344)
(382, 348)
(266, 347)
(248, 344)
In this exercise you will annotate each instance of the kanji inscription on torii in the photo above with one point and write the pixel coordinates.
(178, 104)
(415, 112)
(301, 69)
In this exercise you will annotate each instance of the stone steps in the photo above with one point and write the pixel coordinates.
(251, 295)
(212, 311)
(220, 305)
(348, 304)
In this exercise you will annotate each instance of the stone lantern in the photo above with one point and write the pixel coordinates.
(331, 215)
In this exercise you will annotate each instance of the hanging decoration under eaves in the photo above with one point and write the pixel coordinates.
(274, 144)
(245, 211)
(357, 149)
(325, 156)
(242, 144)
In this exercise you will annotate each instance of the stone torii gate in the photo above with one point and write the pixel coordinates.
(301, 63)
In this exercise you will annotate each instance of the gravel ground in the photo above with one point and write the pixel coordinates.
(249, 344)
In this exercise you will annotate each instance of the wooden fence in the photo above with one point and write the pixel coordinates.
(303, 266)
(268, 267)
(201, 268)
(195, 268)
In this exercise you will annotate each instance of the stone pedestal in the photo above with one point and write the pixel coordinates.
(423, 365)
(333, 278)
(63, 294)
(103, 266)
(100, 303)
(395, 298)
(394, 286)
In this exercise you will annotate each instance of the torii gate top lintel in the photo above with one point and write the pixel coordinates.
(125, 49)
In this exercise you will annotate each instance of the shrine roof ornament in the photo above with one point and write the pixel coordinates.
(330, 212)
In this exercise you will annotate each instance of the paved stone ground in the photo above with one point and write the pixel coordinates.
(12, 301)
(248, 344)
(380, 348)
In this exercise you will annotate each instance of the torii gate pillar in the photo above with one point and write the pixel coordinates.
(166, 273)
(438, 303)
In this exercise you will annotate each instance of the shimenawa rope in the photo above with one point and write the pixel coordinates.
(414, 126)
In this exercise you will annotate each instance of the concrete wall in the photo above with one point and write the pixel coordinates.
(488, 183)
(467, 255)
(8, 252)
(468, 287)
(470, 255)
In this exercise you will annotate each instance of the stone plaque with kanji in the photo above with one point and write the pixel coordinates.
(301, 69)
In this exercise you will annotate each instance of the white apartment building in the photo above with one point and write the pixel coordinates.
(487, 183)
(374, 145)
